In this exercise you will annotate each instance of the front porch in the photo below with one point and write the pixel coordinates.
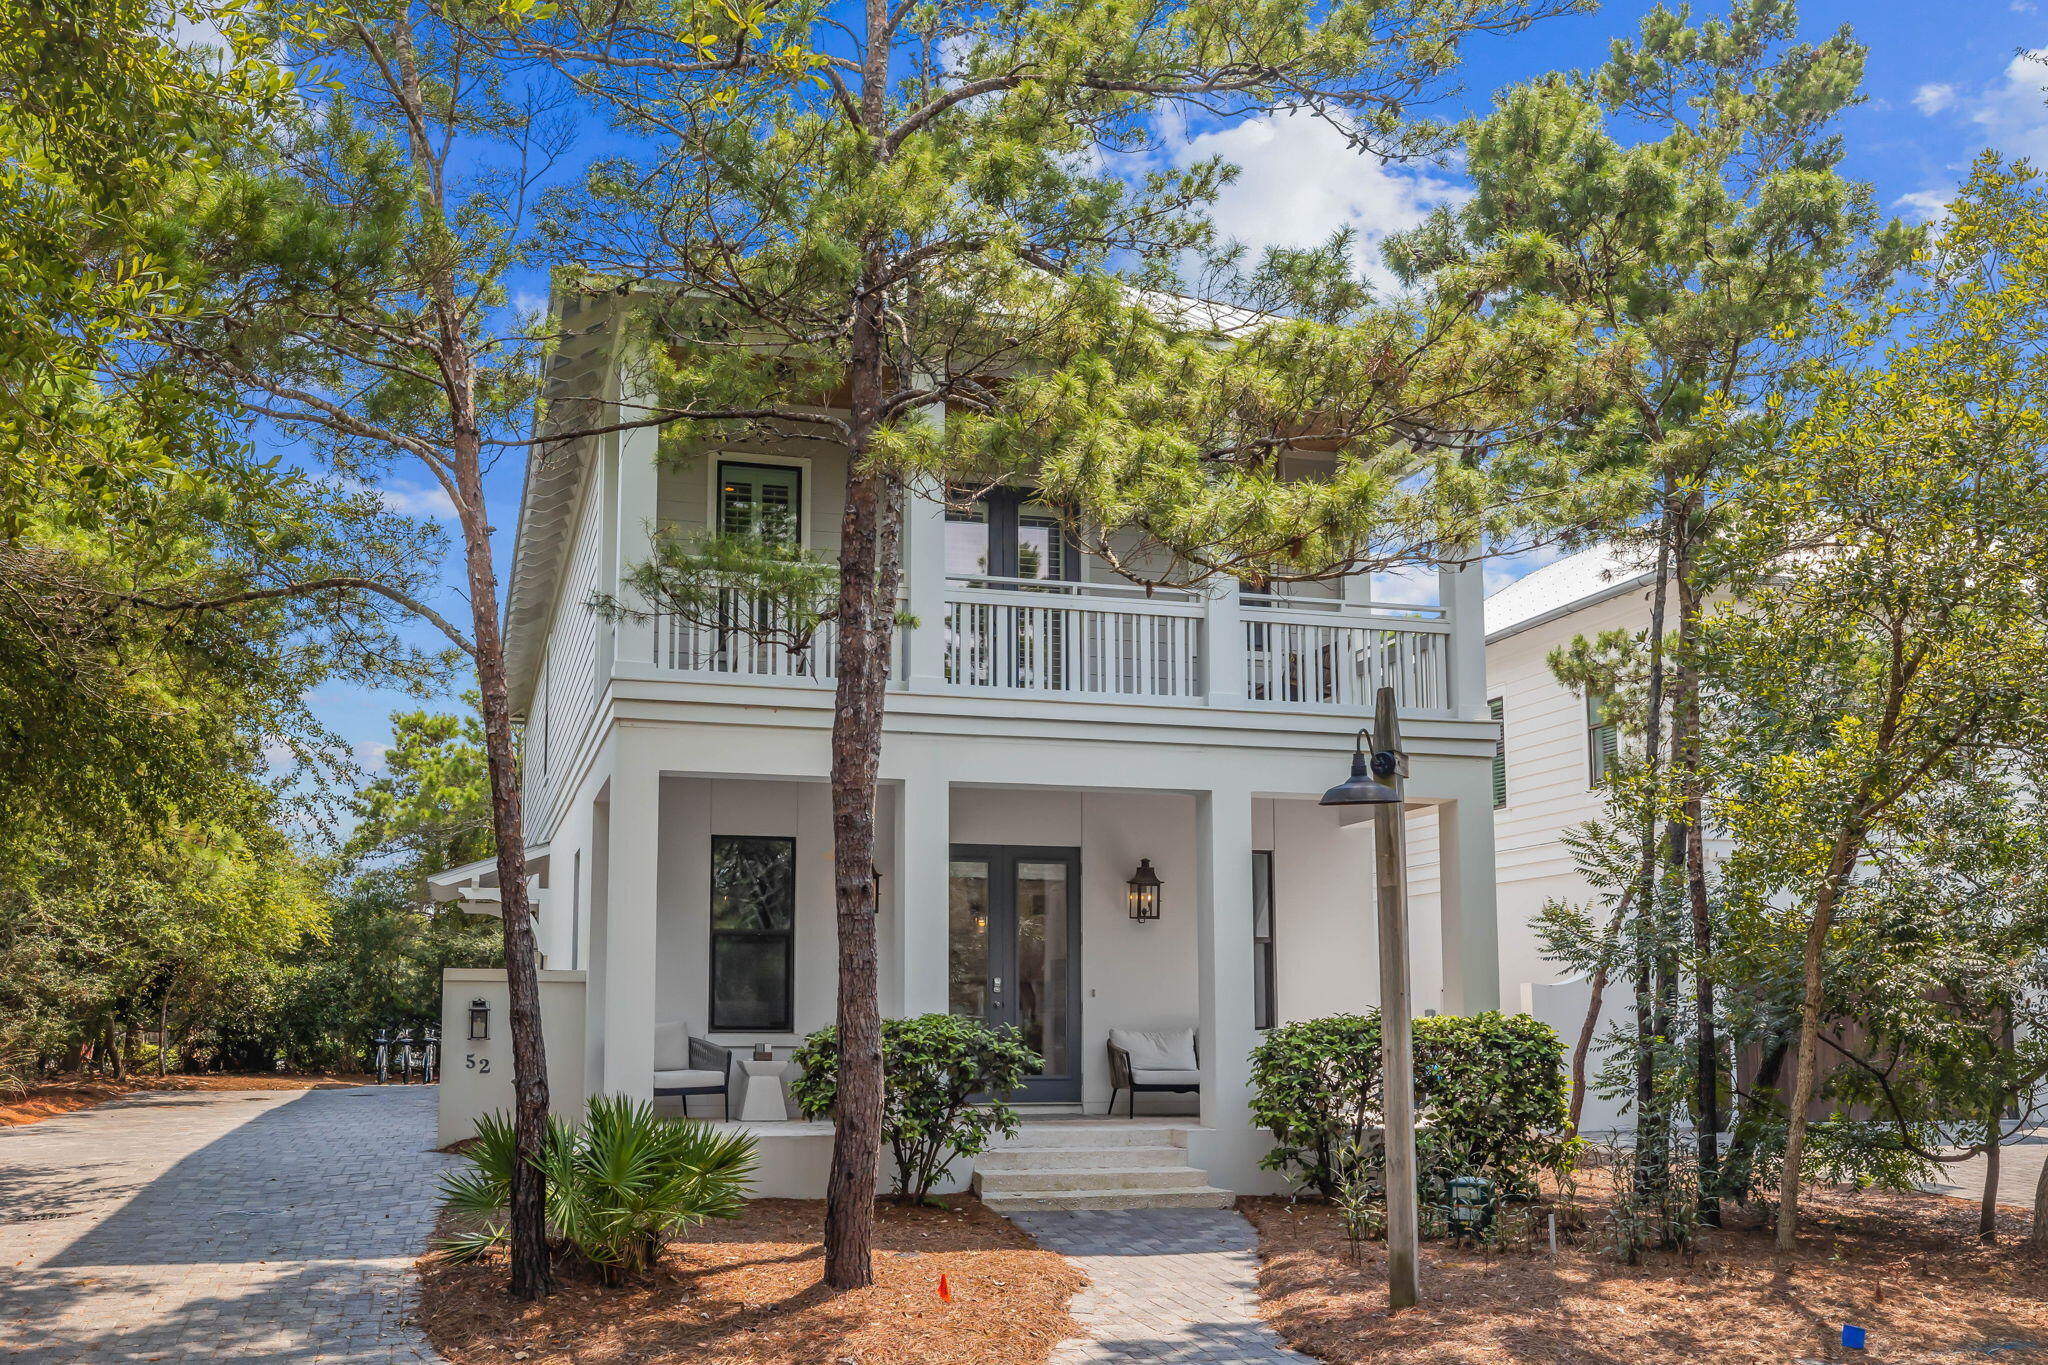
(709, 903)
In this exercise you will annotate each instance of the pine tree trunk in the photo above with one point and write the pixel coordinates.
(1691, 856)
(869, 572)
(1653, 1136)
(1987, 1208)
(532, 1277)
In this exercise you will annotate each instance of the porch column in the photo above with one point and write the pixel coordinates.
(1223, 920)
(627, 1009)
(1471, 930)
(924, 573)
(1223, 648)
(924, 824)
(1463, 595)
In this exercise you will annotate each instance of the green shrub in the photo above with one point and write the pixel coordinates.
(621, 1185)
(933, 1068)
(1316, 1088)
(1490, 1095)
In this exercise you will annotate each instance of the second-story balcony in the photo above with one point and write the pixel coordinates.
(1110, 642)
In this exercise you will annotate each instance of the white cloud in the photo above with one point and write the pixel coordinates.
(1299, 181)
(370, 755)
(2008, 114)
(2013, 111)
(429, 500)
(2022, 6)
(1932, 99)
(1924, 205)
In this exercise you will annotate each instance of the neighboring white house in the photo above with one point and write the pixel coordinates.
(1546, 780)
(1049, 728)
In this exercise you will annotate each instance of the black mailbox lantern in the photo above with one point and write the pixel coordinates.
(479, 1020)
(1144, 892)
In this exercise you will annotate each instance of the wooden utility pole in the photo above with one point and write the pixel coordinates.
(1397, 1044)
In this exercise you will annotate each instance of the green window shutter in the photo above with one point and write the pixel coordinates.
(1603, 740)
(1497, 708)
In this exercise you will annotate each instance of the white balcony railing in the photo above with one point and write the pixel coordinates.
(1112, 642)
(1084, 640)
(1306, 651)
(752, 647)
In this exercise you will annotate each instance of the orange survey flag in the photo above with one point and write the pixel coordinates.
(945, 1291)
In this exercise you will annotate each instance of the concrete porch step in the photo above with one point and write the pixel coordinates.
(1079, 1158)
(1102, 1201)
(1094, 1133)
(1077, 1179)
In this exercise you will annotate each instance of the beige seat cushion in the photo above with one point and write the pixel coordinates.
(671, 1046)
(1171, 1049)
(1143, 1077)
(688, 1080)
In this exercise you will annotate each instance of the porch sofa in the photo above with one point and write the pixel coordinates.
(685, 1065)
(1152, 1059)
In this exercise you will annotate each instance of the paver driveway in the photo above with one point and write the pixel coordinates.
(219, 1225)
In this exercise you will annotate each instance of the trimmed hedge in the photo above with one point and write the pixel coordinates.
(1490, 1096)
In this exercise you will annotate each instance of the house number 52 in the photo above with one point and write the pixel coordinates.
(477, 1064)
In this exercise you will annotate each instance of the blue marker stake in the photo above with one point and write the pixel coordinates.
(1854, 1338)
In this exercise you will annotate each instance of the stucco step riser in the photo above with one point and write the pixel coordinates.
(1020, 1182)
(1111, 1201)
(1093, 1135)
(1078, 1158)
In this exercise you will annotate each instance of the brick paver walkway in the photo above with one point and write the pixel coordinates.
(238, 1226)
(1164, 1285)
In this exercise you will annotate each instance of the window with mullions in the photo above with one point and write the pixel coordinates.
(753, 933)
(760, 500)
(1603, 740)
(1007, 534)
(1265, 1000)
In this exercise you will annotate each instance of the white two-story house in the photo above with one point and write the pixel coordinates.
(1051, 730)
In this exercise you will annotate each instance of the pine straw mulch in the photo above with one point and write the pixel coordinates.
(749, 1292)
(64, 1095)
(1906, 1267)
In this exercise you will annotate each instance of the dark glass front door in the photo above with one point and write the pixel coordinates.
(1015, 953)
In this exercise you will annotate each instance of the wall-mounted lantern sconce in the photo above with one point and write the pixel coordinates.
(479, 1020)
(1144, 889)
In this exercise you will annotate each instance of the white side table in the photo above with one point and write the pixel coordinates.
(763, 1102)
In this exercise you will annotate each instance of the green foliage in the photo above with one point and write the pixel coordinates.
(1489, 1095)
(1316, 1087)
(431, 806)
(766, 587)
(946, 1080)
(621, 1186)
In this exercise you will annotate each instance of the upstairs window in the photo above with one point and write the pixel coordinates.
(753, 934)
(1603, 740)
(1006, 534)
(1498, 709)
(760, 500)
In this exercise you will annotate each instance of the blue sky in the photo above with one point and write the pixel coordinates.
(1944, 81)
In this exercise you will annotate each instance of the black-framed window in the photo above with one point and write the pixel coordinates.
(1498, 709)
(753, 933)
(1603, 740)
(764, 500)
(1007, 533)
(1265, 999)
